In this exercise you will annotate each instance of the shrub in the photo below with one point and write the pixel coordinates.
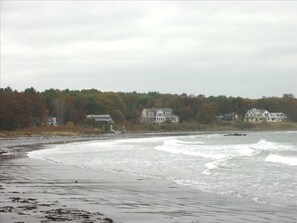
(70, 124)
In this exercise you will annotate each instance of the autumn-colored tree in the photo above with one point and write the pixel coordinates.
(207, 113)
(20, 110)
(30, 108)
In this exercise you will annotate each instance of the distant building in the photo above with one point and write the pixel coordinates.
(228, 117)
(260, 115)
(277, 117)
(103, 119)
(52, 121)
(158, 116)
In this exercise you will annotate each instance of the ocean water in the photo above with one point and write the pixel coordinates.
(261, 166)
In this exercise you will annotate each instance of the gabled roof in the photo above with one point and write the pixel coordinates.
(257, 110)
(157, 109)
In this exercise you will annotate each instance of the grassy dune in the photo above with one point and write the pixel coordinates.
(195, 126)
(73, 130)
(52, 131)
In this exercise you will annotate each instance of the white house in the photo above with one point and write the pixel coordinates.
(158, 115)
(260, 115)
(52, 121)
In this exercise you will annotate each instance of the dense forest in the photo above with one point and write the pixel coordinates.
(31, 108)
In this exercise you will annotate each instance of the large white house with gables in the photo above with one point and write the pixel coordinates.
(261, 115)
(158, 116)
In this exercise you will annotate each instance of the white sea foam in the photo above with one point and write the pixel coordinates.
(143, 140)
(212, 166)
(200, 149)
(264, 145)
(173, 148)
(292, 161)
(246, 150)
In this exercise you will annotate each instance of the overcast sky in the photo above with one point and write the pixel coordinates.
(246, 49)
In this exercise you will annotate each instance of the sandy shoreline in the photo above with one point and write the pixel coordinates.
(40, 191)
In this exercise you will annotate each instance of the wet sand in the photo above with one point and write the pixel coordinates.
(39, 191)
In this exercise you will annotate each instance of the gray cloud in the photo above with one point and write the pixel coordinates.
(230, 48)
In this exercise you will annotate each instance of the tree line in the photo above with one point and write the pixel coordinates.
(31, 108)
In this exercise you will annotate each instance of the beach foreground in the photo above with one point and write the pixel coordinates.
(39, 191)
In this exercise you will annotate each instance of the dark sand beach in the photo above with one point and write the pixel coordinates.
(33, 190)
